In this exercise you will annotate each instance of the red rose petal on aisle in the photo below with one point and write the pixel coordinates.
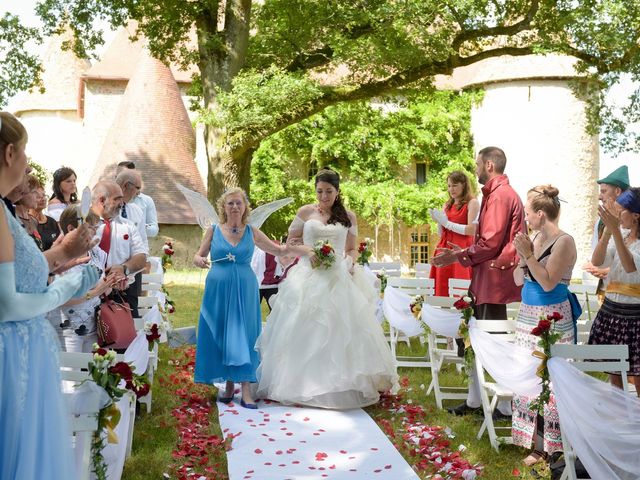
(258, 451)
(515, 472)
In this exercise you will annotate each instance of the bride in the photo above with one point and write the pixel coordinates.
(322, 345)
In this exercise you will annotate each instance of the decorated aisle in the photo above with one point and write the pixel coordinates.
(278, 441)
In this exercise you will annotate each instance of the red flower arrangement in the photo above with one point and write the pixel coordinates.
(325, 254)
(364, 251)
(465, 306)
(548, 336)
(167, 253)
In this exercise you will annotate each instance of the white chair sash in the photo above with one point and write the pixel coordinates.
(395, 306)
(443, 322)
(511, 366)
(138, 353)
(600, 421)
(88, 397)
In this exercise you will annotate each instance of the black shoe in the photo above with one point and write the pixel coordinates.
(498, 416)
(464, 409)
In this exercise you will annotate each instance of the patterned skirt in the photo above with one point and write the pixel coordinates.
(523, 424)
(619, 324)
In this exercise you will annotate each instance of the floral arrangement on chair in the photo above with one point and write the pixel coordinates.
(416, 306)
(548, 336)
(109, 374)
(465, 306)
(167, 253)
(153, 332)
(325, 254)
(364, 251)
(382, 276)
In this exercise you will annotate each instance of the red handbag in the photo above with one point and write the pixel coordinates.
(114, 324)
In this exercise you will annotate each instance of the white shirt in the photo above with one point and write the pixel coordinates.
(136, 215)
(617, 273)
(125, 241)
(148, 206)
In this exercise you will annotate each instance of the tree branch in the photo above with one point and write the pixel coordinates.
(517, 27)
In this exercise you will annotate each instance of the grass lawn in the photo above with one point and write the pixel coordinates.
(156, 437)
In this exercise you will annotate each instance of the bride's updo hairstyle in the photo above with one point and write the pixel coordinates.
(338, 212)
(545, 198)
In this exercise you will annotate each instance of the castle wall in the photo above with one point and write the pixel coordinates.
(540, 125)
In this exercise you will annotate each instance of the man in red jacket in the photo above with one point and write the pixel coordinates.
(492, 256)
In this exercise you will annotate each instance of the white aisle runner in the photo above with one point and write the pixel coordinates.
(279, 442)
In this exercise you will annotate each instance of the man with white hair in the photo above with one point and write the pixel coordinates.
(119, 238)
(130, 181)
(144, 201)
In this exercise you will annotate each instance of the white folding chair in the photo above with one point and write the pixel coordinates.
(490, 392)
(458, 287)
(83, 427)
(146, 303)
(440, 356)
(391, 269)
(71, 365)
(152, 282)
(611, 358)
(412, 287)
(422, 270)
(152, 366)
(587, 297)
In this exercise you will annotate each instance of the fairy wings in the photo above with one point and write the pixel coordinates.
(206, 215)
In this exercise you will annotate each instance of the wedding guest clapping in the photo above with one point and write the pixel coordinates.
(545, 266)
(457, 223)
(34, 425)
(617, 320)
(65, 191)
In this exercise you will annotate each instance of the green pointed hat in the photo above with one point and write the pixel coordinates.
(619, 177)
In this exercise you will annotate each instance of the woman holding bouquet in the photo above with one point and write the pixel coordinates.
(546, 263)
(457, 223)
(322, 345)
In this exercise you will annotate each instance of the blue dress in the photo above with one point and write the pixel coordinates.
(35, 441)
(230, 321)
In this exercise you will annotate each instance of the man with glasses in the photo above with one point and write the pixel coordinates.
(144, 201)
(131, 183)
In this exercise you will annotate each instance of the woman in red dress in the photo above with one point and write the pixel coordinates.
(457, 225)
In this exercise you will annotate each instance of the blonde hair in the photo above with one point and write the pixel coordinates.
(223, 198)
(545, 198)
(11, 132)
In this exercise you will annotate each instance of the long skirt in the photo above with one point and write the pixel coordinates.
(524, 420)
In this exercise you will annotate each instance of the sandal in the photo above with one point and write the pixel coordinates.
(535, 457)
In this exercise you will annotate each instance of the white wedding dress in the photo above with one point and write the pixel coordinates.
(322, 345)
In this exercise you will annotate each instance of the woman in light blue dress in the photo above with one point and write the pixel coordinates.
(230, 320)
(35, 442)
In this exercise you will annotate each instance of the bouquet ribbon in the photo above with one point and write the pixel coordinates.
(543, 365)
(111, 420)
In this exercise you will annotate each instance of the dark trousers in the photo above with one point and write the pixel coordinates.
(267, 293)
(490, 311)
(132, 293)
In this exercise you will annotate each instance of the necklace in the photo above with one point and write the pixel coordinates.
(234, 230)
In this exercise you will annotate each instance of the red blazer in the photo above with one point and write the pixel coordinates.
(492, 256)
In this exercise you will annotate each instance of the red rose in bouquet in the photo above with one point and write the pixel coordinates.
(364, 251)
(461, 304)
(325, 254)
(154, 333)
(123, 369)
(555, 316)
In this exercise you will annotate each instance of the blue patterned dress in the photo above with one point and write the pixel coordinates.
(230, 321)
(35, 442)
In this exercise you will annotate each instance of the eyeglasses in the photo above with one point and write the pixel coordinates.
(135, 186)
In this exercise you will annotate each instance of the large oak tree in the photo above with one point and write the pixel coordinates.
(269, 64)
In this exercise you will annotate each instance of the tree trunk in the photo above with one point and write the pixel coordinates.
(222, 48)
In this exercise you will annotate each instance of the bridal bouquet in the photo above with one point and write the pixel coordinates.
(325, 254)
(364, 251)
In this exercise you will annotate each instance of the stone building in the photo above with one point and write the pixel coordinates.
(528, 109)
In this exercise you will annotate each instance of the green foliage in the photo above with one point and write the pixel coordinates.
(374, 147)
(19, 69)
(40, 172)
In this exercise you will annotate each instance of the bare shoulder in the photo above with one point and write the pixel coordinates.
(305, 211)
(474, 202)
(352, 217)
(54, 201)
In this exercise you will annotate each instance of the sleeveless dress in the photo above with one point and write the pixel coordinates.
(230, 319)
(441, 275)
(35, 440)
(524, 419)
(322, 345)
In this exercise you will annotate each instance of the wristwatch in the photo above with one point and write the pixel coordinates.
(125, 270)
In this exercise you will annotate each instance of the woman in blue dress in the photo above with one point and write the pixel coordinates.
(230, 319)
(35, 442)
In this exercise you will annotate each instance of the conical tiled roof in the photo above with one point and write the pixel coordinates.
(120, 59)
(61, 76)
(153, 130)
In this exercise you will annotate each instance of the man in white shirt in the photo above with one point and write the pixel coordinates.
(119, 238)
(130, 182)
(145, 202)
